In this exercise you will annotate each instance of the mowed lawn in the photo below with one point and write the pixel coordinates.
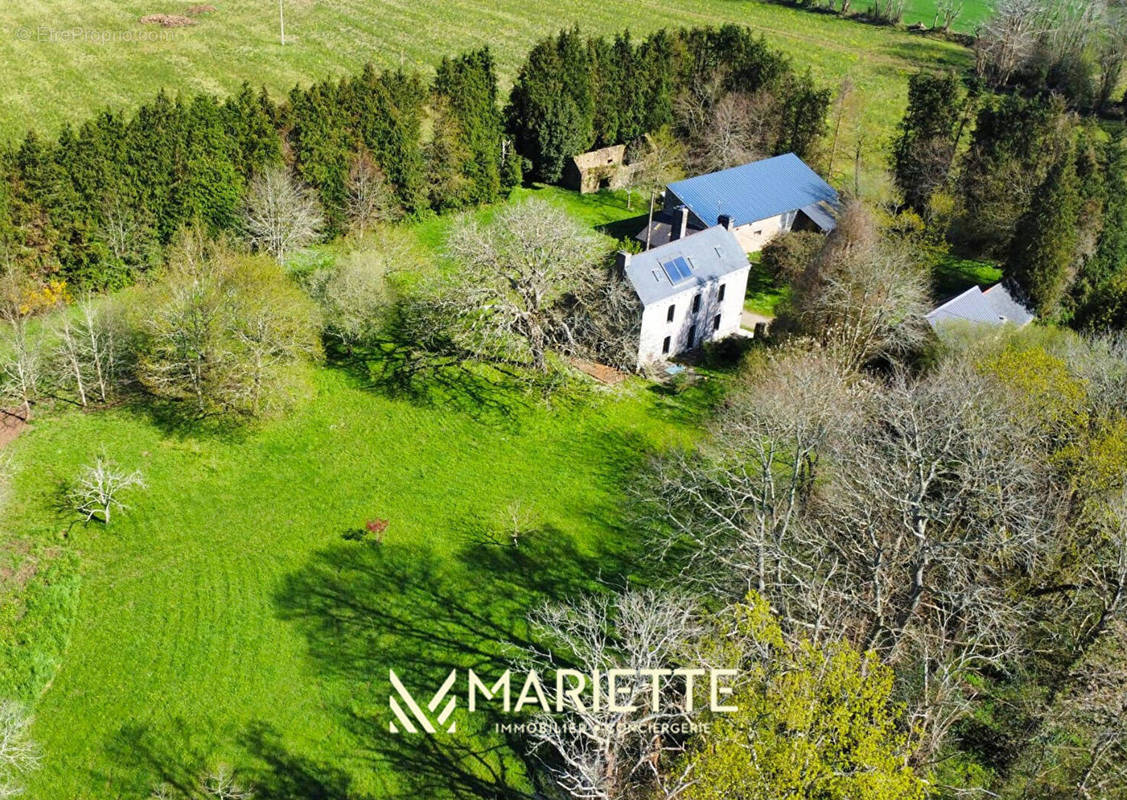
(65, 59)
(230, 616)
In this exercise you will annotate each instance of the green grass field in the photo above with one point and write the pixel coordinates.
(973, 13)
(227, 616)
(62, 60)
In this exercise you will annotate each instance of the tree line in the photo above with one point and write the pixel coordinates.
(574, 94)
(97, 205)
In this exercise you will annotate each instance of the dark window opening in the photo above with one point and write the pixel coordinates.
(716, 323)
(665, 346)
(692, 335)
(669, 313)
(696, 304)
(720, 293)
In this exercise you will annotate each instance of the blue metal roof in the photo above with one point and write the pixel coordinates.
(755, 191)
(708, 256)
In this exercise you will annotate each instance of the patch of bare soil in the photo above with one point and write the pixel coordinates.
(11, 426)
(600, 372)
(167, 20)
(195, 11)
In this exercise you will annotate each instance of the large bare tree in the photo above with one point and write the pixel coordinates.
(511, 274)
(1007, 39)
(864, 297)
(873, 511)
(281, 215)
(611, 752)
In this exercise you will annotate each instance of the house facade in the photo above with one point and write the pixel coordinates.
(756, 201)
(692, 291)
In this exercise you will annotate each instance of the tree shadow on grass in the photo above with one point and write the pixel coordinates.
(175, 755)
(178, 756)
(397, 369)
(279, 774)
(366, 610)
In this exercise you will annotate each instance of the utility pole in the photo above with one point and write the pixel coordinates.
(282, 21)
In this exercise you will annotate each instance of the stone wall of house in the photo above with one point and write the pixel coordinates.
(688, 330)
(754, 236)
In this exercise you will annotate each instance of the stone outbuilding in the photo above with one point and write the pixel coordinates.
(598, 169)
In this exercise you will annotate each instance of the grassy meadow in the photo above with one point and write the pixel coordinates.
(230, 615)
(973, 13)
(65, 60)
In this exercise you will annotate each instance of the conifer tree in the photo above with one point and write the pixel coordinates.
(464, 96)
(551, 109)
(1042, 259)
(922, 154)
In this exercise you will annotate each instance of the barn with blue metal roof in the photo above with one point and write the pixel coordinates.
(756, 201)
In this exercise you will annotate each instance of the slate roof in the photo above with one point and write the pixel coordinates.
(711, 254)
(758, 190)
(995, 306)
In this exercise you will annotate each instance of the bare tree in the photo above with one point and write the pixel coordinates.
(19, 754)
(1007, 39)
(948, 11)
(221, 784)
(843, 106)
(99, 487)
(511, 274)
(611, 752)
(371, 198)
(92, 350)
(281, 215)
(20, 350)
(921, 539)
(864, 297)
(602, 317)
(740, 128)
(126, 231)
(904, 539)
(659, 159)
(728, 510)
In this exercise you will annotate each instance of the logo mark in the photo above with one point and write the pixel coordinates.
(418, 718)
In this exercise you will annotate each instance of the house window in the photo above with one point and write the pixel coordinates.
(696, 304)
(692, 335)
(665, 346)
(670, 312)
(720, 293)
(716, 323)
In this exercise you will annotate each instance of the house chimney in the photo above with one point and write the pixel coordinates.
(724, 221)
(621, 260)
(681, 225)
